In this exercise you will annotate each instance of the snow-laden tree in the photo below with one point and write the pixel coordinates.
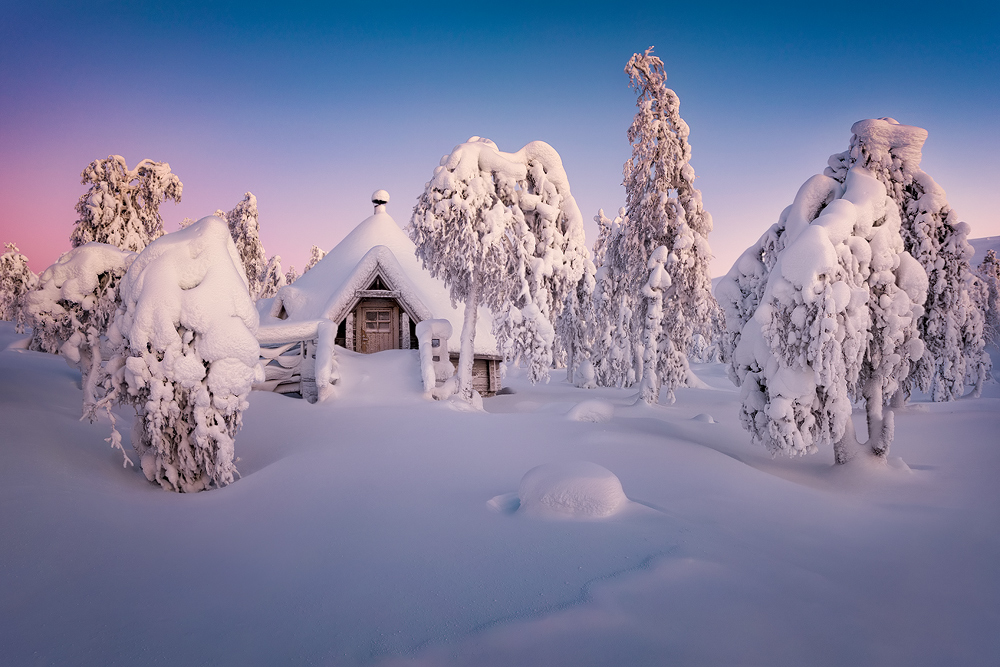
(16, 282)
(665, 209)
(122, 205)
(271, 278)
(315, 255)
(503, 230)
(553, 268)
(741, 292)
(827, 304)
(989, 275)
(245, 230)
(291, 275)
(660, 358)
(612, 307)
(73, 306)
(952, 325)
(573, 327)
(185, 354)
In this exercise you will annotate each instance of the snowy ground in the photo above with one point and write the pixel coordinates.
(362, 532)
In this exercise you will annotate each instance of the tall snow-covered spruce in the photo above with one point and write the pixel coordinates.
(122, 205)
(503, 230)
(16, 282)
(663, 209)
(821, 311)
(952, 324)
(185, 354)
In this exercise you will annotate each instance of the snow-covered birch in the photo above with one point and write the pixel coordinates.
(503, 230)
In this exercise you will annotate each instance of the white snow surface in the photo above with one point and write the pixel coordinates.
(327, 289)
(360, 533)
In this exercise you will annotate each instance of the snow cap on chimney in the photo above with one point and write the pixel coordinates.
(380, 198)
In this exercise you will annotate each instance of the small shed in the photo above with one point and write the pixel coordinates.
(374, 288)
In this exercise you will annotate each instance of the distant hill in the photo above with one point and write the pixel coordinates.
(982, 246)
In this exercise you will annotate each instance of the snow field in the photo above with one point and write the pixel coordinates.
(361, 534)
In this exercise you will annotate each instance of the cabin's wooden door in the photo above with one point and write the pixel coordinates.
(377, 329)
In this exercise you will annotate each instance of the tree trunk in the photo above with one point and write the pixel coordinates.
(466, 351)
(881, 427)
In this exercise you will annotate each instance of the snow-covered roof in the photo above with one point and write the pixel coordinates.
(329, 289)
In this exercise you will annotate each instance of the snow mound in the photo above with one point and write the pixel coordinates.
(704, 417)
(592, 411)
(572, 490)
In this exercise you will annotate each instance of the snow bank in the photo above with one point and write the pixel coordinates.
(592, 411)
(573, 490)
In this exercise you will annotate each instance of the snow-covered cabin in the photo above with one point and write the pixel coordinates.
(374, 287)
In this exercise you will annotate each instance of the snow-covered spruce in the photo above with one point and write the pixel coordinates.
(952, 324)
(244, 227)
(122, 205)
(315, 255)
(836, 320)
(73, 306)
(612, 307)
(662, 363)
(989, 274)
(185, 355)
(291, 275)
(271, 279)
(16, 282)
(503, 230)
(665, 209)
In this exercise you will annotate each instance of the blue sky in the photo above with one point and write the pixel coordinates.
(314, 106)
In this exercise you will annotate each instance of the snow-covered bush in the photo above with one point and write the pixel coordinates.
(663, 209)
(952, 324)
(73, 306)
(827, 304)
(16, 282)
(571, 490)
(503, 230)
(989, 274)
(122, 205)
(185, 355)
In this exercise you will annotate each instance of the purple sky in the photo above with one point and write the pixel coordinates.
(313, 108)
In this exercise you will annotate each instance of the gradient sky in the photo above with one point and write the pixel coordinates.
(313, 106)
